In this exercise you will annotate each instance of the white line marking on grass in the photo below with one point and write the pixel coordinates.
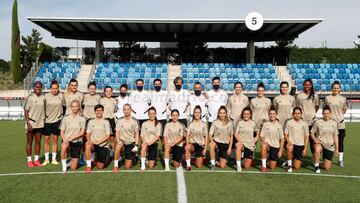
(182, 197)
(193, 171)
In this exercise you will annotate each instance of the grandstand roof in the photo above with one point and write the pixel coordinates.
(172, 30)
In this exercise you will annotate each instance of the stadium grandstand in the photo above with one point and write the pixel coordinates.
(234, 30)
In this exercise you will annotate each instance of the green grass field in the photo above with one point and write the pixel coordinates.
(220, 186)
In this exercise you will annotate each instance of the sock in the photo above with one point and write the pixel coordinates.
(316, 164)
(212, 162)
(88, 163)
(143, 163)
(238, 163)
(47, 156)
(188, 162)
(166, 163)
(64, 165)
(29, 158)
(53, 156)
(116, 163)
(263, 162)
(341, 156)
(36, 157)
(289, 162)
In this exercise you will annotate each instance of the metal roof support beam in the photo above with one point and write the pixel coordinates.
(250, 52)
(99, 50)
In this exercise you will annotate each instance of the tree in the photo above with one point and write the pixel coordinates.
(61, 52)
(285, 44)
(4, 65)
(30, 50)
(46, 53)
(192, 51)
(15, 45)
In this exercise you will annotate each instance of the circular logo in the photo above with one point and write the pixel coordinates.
(254, 21)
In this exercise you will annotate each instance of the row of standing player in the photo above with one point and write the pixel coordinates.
(181, 100)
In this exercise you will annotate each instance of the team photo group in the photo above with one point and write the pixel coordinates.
(188, 127)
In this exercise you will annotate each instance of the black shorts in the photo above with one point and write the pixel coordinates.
(297, 152)
(273, 154)
(198, 149)
(163, 123)
(129, 155)
(112, 125)
(248, 154)
(37, 130)
(177, 153)
(52, 129)
(342, 132)
(222, 150)
(327, 154)
(102, 154)
(153, 149)
(75, 149)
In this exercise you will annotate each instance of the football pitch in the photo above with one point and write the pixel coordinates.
(46, 184)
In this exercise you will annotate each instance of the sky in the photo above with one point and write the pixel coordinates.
(339, 29)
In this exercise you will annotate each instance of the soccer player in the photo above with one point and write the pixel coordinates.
(198, 99)
(284, 103)
(221, 138)
(72, 131)
(196, 140)
(245, 139)
(139, 101)
(216, 99)
(260, 106)
(150, 134)
(34, 111)
(98, 134)
(127, 136)
(309, 102)
(72, 93)
(326, 140)
(297, 138)
(338, 106)
(90, 101)
(122, 100)
(109, 104)
(179, 99)
(236, 103)
(174, 133)
(54, 101)
(272, 141)
(158, 101)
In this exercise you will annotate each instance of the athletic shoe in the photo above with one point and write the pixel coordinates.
(290, 168)
(188, 168)
(142, 169)
(45, 163)
(317, 169)
(30, 164)
(88, 170)
(63, 172)
(284, 164)
(167, 168)
(264, 169)
(212, 168)
(238, 169)
(341, 164)
(116, 169)
(54, 162)
(37, 163)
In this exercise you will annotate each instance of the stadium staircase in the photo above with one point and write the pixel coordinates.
(284, 75)
(83, 77)
(173, 72)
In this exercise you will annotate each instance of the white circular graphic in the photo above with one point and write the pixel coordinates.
(254, 21)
